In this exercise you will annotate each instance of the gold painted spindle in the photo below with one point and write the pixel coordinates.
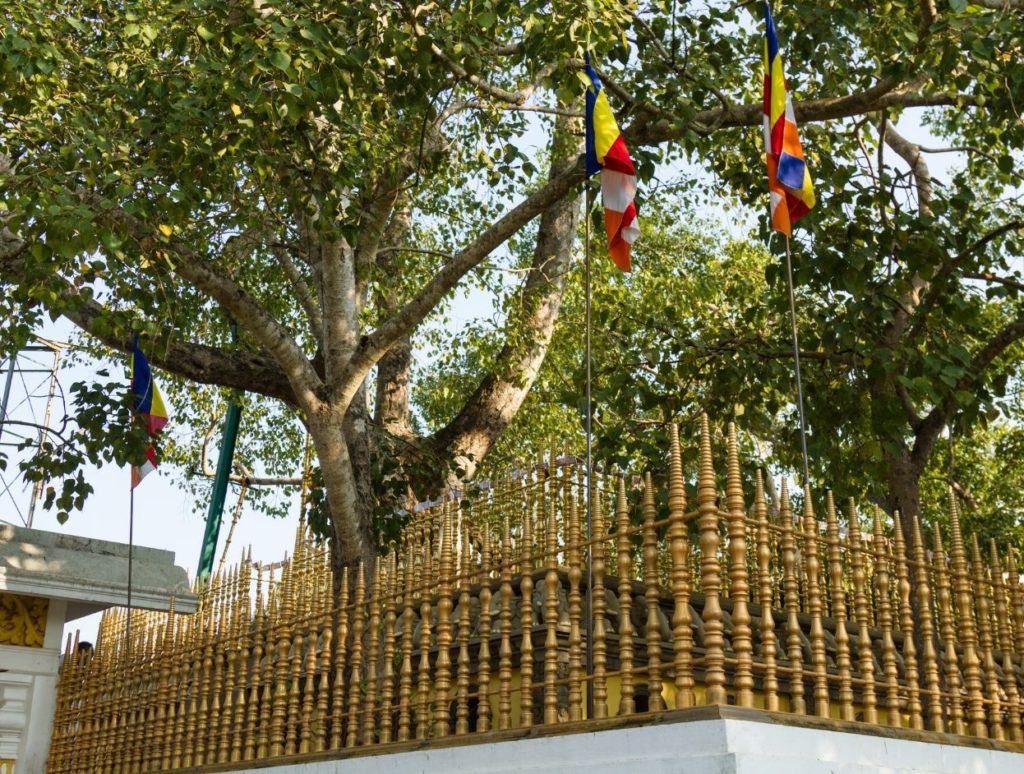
(1011, 655)
(929, 658)
(710, 571)
(794, 640)
(947, 635)
(812, 570)
(388, 672)
(465, 622)
(984, 609)
(267, 672)
(861, 597)
(906, 618)
(1016, 604)
(294, 669)
(279, 708)
(765, 599)
(405, 670)
(527, 616)
(505, 627)
(422, 709)
(598, 553)
(551, 584)
(340, 643)
(679, 553)
(882, 597)
(739, 590)
(306, 728)
(355, 679)
(627, 704)
(574, 558)
(964, 597)
(483, 681)
(652, 594)
(259, 635)
(367, 718)
(231, 633)
(838, 593)
(443, 665)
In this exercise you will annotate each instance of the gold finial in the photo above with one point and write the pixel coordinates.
(964, 598)
(865, 659)
(679, 554)
(652, 593)
(462, 678)
(836, 582)
(947, 635)
(356, 668)
(929, 659)
(505, 627)
(983, 608)
(551, 586)
(598, 563)
(573, 556)
(906, 619)
(765, 598)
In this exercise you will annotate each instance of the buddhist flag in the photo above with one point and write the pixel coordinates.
(789, 181)
(607, 154)
(148, 404)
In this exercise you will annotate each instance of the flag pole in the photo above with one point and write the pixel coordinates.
(589, 195)
(131, 543)
(796, 361)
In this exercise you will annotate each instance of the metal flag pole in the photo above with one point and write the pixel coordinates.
(796, 360)
(590, 463)
(131, 543)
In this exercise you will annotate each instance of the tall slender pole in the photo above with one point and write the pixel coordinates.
(590, 462)
(131, 543)
(796, 360)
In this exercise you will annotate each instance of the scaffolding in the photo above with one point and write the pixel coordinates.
(29, 384)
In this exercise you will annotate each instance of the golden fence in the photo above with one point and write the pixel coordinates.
(478, 620)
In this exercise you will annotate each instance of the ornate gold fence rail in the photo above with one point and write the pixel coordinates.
(478, 620)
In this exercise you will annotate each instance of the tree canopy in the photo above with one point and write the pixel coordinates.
(326, 176)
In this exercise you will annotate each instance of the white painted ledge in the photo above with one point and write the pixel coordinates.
(707, 740)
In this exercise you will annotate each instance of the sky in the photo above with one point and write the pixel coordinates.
(166, 516)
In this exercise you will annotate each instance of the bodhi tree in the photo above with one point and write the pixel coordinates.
(325, 175)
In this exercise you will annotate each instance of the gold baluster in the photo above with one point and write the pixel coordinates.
(388, 676)
(929, 659)
(356, 661)
(983, 608)
(367, 719)
(865, 658)
(527, 612)
(405, 671)
(311, 618)
(245, 634)
(1010, 653)
(257, 650)
(679, 551)
(947, 634)
(882, 597)
(812, 570)
(627, 704)
(652, 594)
(906, 619)
(270, 627)
(443, 665)
(422, 710)
(279, 708)
(229, 646)
(483, 681)
(505, 627)
(1016, 603)
(794, 641)
(710, 571)
(161, 754)
(598, 554)
(339, 642)
(574, 558)
(465, 622)
(739, 592)
(971, 663)
(835, 561)
(551, 585)
(202, 716)
(765, 599)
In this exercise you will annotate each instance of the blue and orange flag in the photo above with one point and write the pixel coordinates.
(789, 181)
(149, 405)
(607, 154)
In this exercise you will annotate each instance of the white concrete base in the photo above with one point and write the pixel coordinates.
(716, 746)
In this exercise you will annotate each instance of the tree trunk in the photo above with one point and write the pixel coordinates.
(903, 478)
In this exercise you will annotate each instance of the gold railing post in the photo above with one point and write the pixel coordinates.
(947, 634)
(794, 638)
(388, 677)
(929, 659)
(355, 679)
(710, 571)
(652, 594)
(598, 553)
(551, 584)
(742, 643)
(526, 608)
(408, 611)
(884, 612)
(627, 704)
(968, 637)
(465, 621)
(367, 719)
(984, 610)
(906, 620)
(505, 627)
(483, 679)
(340, 642)
(865, 657)
(765, 598)
(679, 552)
(812, 572)
(575, 600)
(838, 594)
(1007, 646)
